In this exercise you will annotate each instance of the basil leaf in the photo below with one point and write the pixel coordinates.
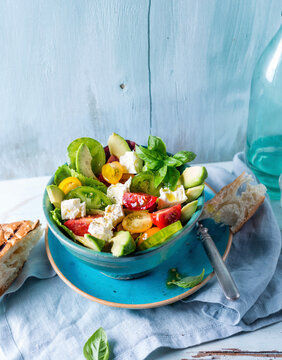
(154, 165)
(148, 155)
(171, 178)
(171, 161)
(156, 143)
(173, 276)
(160, 175)
(97, 346)
(184, 156)
(189, 281)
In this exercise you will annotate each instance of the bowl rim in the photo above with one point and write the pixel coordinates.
(107, 256)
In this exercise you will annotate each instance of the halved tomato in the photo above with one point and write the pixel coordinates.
(112, 172)
(69, 184)
(137, 222)
(80, 226)
(139, 201)
(165, 217)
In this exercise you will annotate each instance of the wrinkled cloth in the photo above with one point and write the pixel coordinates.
(47, 320)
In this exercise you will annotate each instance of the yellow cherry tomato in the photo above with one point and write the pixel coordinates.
(137, 222)
(112, 172)
(69, 184)
(147, 234)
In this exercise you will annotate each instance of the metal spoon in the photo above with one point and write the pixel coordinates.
(223, 275)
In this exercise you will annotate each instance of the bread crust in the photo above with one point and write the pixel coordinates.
(16, 241)
(11, 234)
(226, 196)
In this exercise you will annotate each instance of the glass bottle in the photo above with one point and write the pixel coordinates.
(264, 133)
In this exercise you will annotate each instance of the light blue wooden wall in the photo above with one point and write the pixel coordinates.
(186, 66)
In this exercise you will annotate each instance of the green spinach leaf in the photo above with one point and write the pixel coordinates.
(97, 346)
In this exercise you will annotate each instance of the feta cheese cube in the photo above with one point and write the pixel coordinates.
(115, 192)
(131, 162)
(101, 228)
(171, 198)
(72, 209)
(114, 214)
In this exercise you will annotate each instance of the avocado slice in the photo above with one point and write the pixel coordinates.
(117, 145)
(96, 149)
(83, 161)
(161, 236)
(94, 199)
(194, 192)
(188, 210)
(194, 176)
(91, 242)
(56, 195)
(123, 244)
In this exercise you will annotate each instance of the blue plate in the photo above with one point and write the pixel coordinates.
(149, 291)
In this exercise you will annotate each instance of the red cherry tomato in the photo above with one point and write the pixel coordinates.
(165, 217)
(138, 201)
(80, 226)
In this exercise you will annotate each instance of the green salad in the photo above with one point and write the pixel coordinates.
(124, 198)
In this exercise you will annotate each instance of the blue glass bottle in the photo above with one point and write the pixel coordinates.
(264, 133)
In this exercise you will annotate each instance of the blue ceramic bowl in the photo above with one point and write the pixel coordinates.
(130, 266)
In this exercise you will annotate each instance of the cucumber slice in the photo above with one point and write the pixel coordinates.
(194, 176)
(144, 182)
(56, 195)
(123, 244)
(91, 242)
(83, 161)
(117, 145)
(194, 192)
(96, 150)
(161, 236)
(188, 210)
(93, 198)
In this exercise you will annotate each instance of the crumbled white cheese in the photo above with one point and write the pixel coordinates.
(72, 209)
(115, 192)
(101, 228)
(171, 198)
(114, 214)
(131, 162)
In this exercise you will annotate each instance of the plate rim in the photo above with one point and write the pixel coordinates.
(134, 306)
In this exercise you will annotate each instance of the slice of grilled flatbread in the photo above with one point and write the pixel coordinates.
(16, 241)
(232, 207)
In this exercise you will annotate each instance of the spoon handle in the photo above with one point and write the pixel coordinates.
(223, 275)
